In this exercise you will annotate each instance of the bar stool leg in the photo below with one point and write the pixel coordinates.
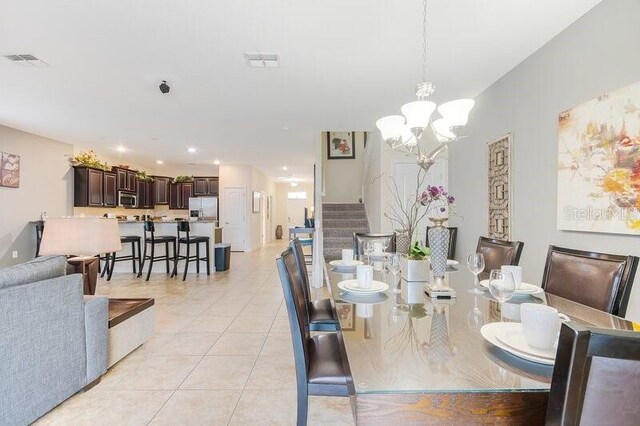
(133, 256)
(176, 256)
(198, 258)
(112, 266)
(153, 251)
(143, 259)
(106, 265)
(139, 257)
(166, 252)
(208, 259)
(186, 263)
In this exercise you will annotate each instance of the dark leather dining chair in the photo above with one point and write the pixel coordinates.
(359, 238)
(602, 281)
(499, 252)
(321, 369)
(321, 316)
(596, 378)
(453, 236)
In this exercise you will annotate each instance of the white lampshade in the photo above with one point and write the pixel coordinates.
(442, 129)
(457, 112)
(81, 236)
(418, 113)
(390, 126)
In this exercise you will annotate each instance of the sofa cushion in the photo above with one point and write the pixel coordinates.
(38, 269)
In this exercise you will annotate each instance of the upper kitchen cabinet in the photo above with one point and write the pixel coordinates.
(127, 180)
(94, 188)
(179, 194)
(161, 189)
(145, 195)
(205, 186)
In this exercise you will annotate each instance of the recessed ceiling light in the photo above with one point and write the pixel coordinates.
(121, 148)
(285, 168)
(160, 162)
(216, 162)
(191, 149)
(294, 184)
(285, 128)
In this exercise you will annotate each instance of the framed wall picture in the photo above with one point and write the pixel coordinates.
(255, 202)
(500, 188)
(347, 315)
(9, 170)
(341, 145)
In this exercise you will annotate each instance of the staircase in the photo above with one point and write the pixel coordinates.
(339, 222)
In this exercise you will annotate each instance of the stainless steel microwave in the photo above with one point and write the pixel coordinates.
(127, 200)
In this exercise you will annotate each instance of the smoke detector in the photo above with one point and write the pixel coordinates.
(262, 60)
(26, 60)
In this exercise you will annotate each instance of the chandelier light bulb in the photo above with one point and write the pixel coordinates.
(442, 129)
(457, 112)
(390, 127)
(418, 113)
(408, 138)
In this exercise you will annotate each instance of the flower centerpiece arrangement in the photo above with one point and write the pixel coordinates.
(143, 176)
(89, 159)
(182, 179)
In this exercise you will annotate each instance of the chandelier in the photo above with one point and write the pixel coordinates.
(404, 132)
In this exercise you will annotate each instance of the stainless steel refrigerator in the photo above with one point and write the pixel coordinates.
(205, 208)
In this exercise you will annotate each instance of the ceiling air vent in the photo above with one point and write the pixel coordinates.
(262, 60)
(26, 60)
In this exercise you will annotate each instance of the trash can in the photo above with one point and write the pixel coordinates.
(222, 256)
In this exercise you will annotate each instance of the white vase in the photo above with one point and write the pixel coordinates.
(415, 270)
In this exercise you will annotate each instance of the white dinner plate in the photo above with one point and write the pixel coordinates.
(372, 298)
(489, 333)
(524, 290)
(352, 286)
(513, 336)
(345, 264)
(451, 262)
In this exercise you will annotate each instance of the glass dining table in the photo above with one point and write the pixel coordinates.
(418, 360)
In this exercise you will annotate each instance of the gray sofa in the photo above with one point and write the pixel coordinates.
(53, 339)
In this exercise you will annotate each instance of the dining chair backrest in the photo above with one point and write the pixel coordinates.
(298, 253)
(453, 236)
(602, 281)
(297, 311)
(596, 377)
(359, 239)
(499, 252)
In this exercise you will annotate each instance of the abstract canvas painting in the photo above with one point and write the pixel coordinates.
(599, 164)
(9, 170)
(500, 188)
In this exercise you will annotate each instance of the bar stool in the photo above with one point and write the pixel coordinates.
(183, 226)
(150, 240)
(39, 232)
(112, 258)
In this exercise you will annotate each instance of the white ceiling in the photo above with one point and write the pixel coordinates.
(343, 65)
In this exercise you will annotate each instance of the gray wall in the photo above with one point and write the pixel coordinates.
(597, 54)
(343, 177)
(46, 184)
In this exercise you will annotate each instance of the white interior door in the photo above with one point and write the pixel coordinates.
(295, 212)
(235, 202)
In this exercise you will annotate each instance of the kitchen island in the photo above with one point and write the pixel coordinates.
(205, 228)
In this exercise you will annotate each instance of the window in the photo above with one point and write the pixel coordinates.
(297, 195)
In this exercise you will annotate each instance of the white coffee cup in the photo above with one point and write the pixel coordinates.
(377, 248)
(541, 324)
(347, 255)
(377, 266)
(364, 274)
(516, 272)
(364, 310)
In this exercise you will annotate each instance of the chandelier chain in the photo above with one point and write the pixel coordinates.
(424, 41)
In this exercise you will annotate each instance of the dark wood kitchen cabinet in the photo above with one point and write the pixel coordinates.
(204, 186)
(127, 180)
(94, 188)
(161, 189)
(179, 194)
(145, 195)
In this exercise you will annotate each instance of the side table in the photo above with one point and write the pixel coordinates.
(88, 267)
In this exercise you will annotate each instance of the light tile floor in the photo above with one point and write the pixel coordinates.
(221, 354)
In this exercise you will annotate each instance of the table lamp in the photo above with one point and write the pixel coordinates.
(83, 238)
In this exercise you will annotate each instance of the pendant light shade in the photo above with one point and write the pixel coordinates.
(418, 113)
(390, 127)
(442, 129)
(408, 138)
(457, 112)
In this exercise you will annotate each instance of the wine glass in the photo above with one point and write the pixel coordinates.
(475, 317)
(502, 286)
(393, 265)
(385, 244)
(475, 263)
(368, 250)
